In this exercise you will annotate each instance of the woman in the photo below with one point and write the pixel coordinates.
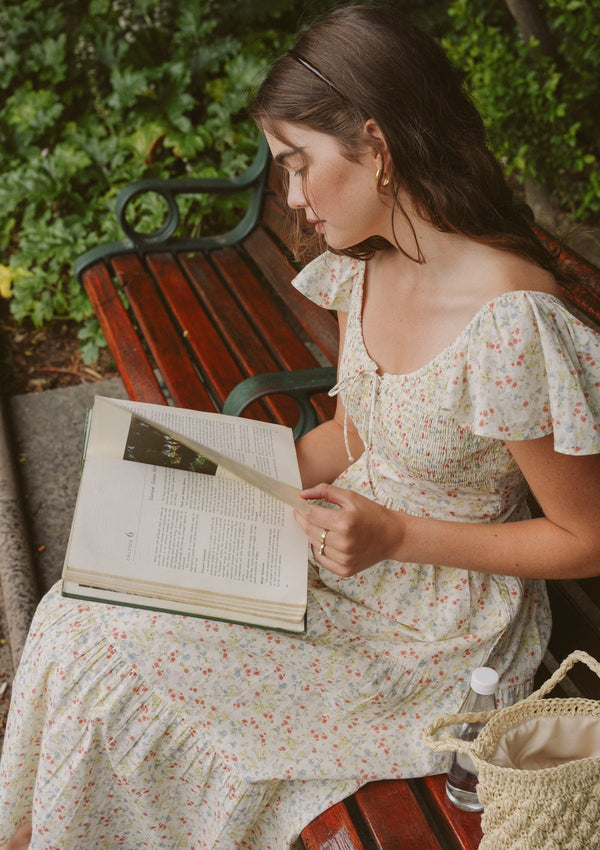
(462, 380)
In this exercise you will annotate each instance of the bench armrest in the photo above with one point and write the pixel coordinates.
(253, 179)
(299, 384)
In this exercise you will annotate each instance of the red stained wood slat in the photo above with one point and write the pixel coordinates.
(394, 816)
(287, 349)
(266, 315)
(584, 292)
(252, 324)
(250, 350)
(214, 359)
(332, 830)
(227, 315)
(167, 346)
(277, 220)
(319, 325)
(124, 344)
(464, 828)
(245, 313)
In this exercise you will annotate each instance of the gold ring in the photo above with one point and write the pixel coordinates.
(323, 536)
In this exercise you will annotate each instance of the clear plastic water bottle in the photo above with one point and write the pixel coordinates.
(462, 777)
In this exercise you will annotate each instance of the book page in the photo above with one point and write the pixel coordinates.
(261, 453)
(145, 526)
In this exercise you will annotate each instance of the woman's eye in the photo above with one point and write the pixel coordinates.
(297, 168)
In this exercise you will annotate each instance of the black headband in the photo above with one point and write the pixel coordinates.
(316, 72)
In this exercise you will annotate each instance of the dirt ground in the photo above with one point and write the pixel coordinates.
(36, 359)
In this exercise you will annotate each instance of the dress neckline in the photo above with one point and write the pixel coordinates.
(357, 312)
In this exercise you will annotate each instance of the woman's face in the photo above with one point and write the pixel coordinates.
(340, 197)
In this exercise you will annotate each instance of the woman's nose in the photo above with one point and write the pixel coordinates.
(295, 195)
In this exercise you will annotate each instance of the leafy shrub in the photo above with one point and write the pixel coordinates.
(96, 95)
(541, 112)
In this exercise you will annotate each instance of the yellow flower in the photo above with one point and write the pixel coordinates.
(8, 276)
(5, 281)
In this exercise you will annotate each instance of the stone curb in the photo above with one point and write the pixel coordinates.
(17, 572)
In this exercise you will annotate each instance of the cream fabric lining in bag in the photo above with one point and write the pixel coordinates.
(547, 742)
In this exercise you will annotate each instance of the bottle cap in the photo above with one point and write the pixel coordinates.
(484, 680)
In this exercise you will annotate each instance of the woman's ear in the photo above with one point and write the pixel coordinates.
(376, 140)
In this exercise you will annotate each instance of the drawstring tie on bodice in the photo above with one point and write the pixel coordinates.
(350, 385)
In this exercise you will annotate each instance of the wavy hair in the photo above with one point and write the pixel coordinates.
(367, 61)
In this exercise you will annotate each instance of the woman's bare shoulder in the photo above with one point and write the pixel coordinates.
(508, 272)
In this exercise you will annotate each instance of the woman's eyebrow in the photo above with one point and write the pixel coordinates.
(283, 155)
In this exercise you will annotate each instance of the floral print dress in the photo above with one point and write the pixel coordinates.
(130, 728)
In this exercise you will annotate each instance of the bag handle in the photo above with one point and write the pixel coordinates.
(562, 670)
(445, 741)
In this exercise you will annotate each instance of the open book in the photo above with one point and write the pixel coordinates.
(180, 510)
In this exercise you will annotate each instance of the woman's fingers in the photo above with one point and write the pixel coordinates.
(349, 533)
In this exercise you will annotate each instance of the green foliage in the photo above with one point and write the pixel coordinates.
(540, 111)
(97, 94)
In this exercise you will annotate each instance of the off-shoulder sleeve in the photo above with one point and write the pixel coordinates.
(328, 280)
(528, 369)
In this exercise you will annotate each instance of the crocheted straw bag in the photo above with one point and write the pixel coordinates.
(539, 768)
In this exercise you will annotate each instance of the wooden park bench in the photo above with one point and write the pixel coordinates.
(212, 323)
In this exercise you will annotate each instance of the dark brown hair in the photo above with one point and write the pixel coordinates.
(378, 65)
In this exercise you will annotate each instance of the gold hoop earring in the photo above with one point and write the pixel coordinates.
(381, 184)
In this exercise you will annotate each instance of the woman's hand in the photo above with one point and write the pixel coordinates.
(360, 532)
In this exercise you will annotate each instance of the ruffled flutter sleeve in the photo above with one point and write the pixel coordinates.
(528, 369)
(329, 279)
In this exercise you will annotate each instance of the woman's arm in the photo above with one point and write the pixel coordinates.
(564, 543)
(322, 454)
